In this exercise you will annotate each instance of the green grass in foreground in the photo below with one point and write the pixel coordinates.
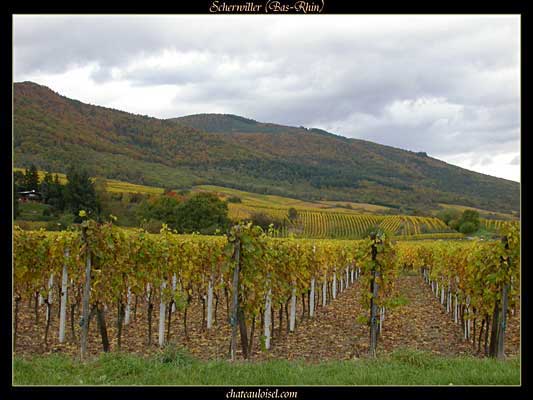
(174, 367)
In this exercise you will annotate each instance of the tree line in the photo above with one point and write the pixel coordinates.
(183, 212)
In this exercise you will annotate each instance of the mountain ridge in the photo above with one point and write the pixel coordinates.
(52, 131)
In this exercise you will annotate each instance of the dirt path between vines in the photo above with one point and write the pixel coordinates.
(421, 323)
(334, 333)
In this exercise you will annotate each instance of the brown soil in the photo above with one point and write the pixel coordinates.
(333, 334)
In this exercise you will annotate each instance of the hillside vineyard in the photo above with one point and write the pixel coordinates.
(108, 267)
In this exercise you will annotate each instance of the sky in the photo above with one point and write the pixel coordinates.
(446, 85)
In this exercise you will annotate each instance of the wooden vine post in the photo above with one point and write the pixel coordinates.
(324, 290)
(86, 295)
(373, 300)
(334, 287)
(500, 350)
(292, 321)
(162, 314)
(210, 303)
(501, 334)
(127, 312)
(268, 316)
(235, 303)
(64, 288)
(312, 299)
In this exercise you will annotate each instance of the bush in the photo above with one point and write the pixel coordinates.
(162, 208)
(472, 217)
(204, 213)
(454, 224)
(234, 199)
(292, 214)
(264, 221)
(467, 227)
(448, 215)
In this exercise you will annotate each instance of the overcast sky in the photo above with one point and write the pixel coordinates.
(447, 85)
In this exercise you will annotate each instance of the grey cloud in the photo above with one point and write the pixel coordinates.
(359, 77)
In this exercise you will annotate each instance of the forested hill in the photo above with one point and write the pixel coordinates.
(53, 131)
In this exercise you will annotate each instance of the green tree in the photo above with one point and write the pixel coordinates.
(31, 178)
(469, 221)
(19, 180)
(204, 213)
(56, 194)
(80, 194)
(467, 227)
(162, 209)
(455, 224)
(448, 214)
(46, 187)
(102, 195)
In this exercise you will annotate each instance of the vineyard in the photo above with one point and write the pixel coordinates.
(322, 224)
(250, 285)
(316, 219)
(492, 224)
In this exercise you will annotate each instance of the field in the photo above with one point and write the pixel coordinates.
(278, 202)
(315, 219)
(33, 211)
(485, 214)
(328, 219)
(419, 318)
(419, 346)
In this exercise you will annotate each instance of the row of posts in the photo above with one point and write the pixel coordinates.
(450, 301)
(351, 274)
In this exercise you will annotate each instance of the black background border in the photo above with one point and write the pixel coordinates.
(202, 7)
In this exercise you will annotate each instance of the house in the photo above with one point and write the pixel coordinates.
(30, 195)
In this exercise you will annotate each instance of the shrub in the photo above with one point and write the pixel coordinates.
(467, 227)
(264, 220)
(292, 214)
(448, 215)
(454, 224)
